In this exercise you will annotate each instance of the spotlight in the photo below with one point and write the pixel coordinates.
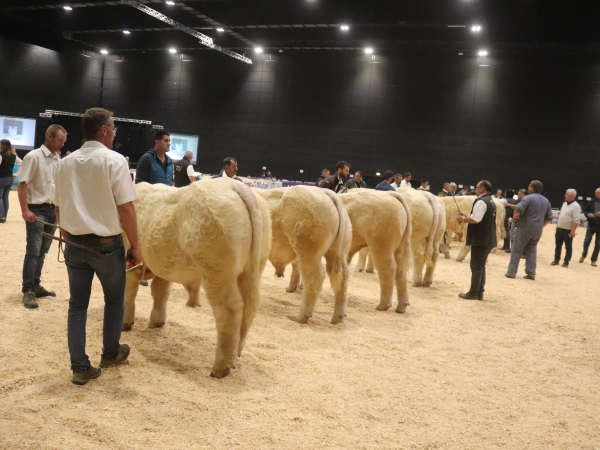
(104, 51)
(368, 50)
(344, 28)
(220, 30)
(170, 3)
(172, 50)
(67, 8)
(126, 32)
(377, 173)
(258, 49)
(482, 53)
(476, 28)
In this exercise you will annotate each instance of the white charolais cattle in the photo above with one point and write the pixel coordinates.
(310, 223)
(215, 233)
(465, 203)
(381, 223)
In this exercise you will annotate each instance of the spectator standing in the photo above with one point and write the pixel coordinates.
(481, 236)
(94, 205)
(336, 182)
(498, 194)
(532, 214)
(592, 213)
(8, 159)
(453, 188)
(324, 174)
(155, 166)
(406, 181)
(424, 185)
(513, 225)
(230, 169)
(356, 182)
(445, 190)
(397, 181)
(508, 218)
(36, 198)
(568, 221)
(463, 191)
(184, 170)
(386, 184)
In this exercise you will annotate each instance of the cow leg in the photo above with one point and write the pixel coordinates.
(362, 259)
(280, 256)
(444, 249)
(294, 279)
(463, 253)
(370, 268)
(429, 269)
(193, 290)
(418, 262)
(386, 268)
(401, 281)
(132, 285)
(249, 286)
(227, 304)
(313, 274)
(160, 290)
(337, 269)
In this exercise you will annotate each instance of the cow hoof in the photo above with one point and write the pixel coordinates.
(301, 318)
(290, 289)
(401, 309)
(358, 270)
(459, 259)
(382, 307)
(279, 275)
(190, 304)
(126, 326)
(417, 284)
(369, 270)
(220, 373)
(156, 325)
(427, 284)
(447, 256)
(337, 319)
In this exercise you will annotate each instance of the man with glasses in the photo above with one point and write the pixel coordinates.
(481, 236)
(94, 205)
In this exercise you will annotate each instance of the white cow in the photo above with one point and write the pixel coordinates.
(214, 233)
(381, 222)
(310, 223)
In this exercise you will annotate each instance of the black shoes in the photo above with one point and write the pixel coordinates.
(121, 357)
(29, 300)
(554, 263)
(81, 377)
(529, 277)
(469, 296)
(41, 291)
(565, 265)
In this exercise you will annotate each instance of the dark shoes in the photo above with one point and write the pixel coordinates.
(529, 277)
(582, 259)
(121, 357)
(29, 300)
(565, 265)
(81, 377)
(507, 251)
(594, 264)
(554, 263)
(469, 296)
(509, 276)
(143, 283)
(41, 291)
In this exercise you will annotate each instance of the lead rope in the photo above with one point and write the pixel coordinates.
(60, 244)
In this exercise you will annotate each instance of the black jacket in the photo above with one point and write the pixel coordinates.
(484, 232)
(332, 182)
(181, 177)
(592, 208)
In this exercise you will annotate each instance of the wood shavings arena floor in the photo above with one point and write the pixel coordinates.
(520, 370)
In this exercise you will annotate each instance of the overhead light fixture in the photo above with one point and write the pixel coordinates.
(170, 3)
(104, 51)
(280, 51)
(482, 53)
(126, 32)
(258, 50)
(67, 8)
(377, 173)
(368, 50)
(220, 30)
(172, 50)
(344, 28)
(476, 28)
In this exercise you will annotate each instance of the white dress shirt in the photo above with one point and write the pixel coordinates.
(396, 185)
(405, 184)
(37, 172)
(90, 183)
(479, 210)
(190, 171)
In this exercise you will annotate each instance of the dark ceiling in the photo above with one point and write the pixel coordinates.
(307, 24)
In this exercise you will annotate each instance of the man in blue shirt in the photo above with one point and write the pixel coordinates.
(532, 214)
(155, 166)
(386, 184)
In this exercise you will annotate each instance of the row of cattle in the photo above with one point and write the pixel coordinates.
(218, 234)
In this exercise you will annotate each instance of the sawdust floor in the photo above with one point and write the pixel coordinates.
(517, 371)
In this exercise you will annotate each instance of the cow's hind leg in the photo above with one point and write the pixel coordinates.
(429, 269)
(193, 290)
(294, 279)
(386, 268)
(160, 290)
(337, 269)
(313, 273)
(362, 259)
(132, 285)
(227, 304)
(401, 281)
(418, 263)
(464, 251)
(249, 284)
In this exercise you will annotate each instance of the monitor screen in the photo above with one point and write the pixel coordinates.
(180, 143)
(20, 132)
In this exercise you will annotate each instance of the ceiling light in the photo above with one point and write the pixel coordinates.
(220, 30)
(126, 32)
(104, 51)
(368, 50)
(377, 173)
(344, 28)
(280, 51)
(170, 3)
(172, 50)
(482, 53)
(258, 50)
(67, 8)
(476, 28)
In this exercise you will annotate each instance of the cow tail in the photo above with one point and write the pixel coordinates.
(431, 247)
(341, 242)
(405, 243)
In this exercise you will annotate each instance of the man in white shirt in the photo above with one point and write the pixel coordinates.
(94, 205)
(568, 221)
(230, 168)
(406, 181)
(397, 181)
(424, 185)
(36, 197)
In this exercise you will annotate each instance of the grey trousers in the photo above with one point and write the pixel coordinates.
(525, 243)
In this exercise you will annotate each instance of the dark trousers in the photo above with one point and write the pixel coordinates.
(5, 185)
(506, 245)
(563, 236)
(37, 245)
(109, 267)
(479, 255)
(589, 234)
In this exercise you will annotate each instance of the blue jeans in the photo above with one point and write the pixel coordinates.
(5, 185)
(37, 245)
(525, 242)
(589, 234)
(109, 267)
